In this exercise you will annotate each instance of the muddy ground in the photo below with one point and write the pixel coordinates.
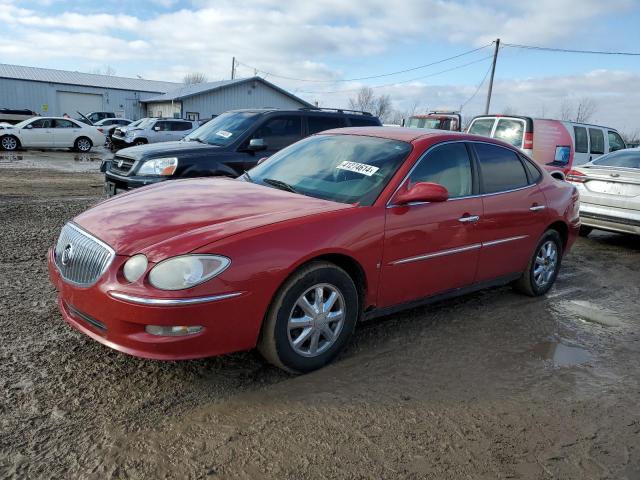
(491, 385)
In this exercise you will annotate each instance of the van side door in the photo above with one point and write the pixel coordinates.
(581, 145)
(596, 141)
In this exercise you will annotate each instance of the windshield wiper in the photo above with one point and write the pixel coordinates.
(280, 184)
(247, 176)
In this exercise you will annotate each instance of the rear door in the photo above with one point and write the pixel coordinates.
(179, 129)
(65, 133)
(581, 153)
(514, 208)
(320, 123)
(430, 248)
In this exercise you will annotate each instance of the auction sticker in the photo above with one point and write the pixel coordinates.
(356, 167)
(224, 133)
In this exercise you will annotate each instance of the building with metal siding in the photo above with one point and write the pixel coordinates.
(55, 92)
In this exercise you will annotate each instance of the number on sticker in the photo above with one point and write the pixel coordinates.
(356, 167)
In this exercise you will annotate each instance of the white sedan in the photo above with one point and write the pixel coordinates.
(51, 132)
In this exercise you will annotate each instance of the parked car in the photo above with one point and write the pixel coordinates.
(557, 145)
(153, 130)
(609, 189)
(436, 120)
(51, 132)
(94, 117)
(108, 126)
(349, 224)
(16, 115)
(226, 146)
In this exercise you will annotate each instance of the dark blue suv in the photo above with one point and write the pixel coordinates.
(228, 145)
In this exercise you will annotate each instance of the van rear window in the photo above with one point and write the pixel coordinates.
(482, 126)
(510, 131)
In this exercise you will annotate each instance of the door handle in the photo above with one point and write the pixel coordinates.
(537, 208)
(469, 219)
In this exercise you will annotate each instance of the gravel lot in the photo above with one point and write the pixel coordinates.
(492, 385)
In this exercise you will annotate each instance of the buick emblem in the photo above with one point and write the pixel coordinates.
(67, 254)
(120, 163)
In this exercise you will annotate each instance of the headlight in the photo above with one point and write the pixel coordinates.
(135, 267)
(159, 166)
(182, 272)
(128, 133)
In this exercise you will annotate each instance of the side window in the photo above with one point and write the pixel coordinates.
(450, 166)
(532, 170)
(63, 124)
(42, 123)
(163, 126)
(180, 126)
(482, 127)
(318, 123)
(364, 121)
(501, 168)
(615, 141)
(582, 144)
(597, 140)
(280, 132)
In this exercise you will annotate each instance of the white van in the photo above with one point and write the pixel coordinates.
(555, 144)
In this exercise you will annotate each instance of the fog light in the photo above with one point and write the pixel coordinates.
(175, 331)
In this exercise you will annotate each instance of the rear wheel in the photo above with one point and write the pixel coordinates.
(543, 268)
(9, 143)
(83, 144)
(310, 319)
(585, 231)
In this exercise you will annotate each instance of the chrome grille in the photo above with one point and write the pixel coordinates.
(80, 257)
(121, 164)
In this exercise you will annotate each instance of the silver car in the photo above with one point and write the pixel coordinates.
(152, 130)
(609, 189)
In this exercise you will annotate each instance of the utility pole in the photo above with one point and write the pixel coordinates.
(493, 71)
(233, 68)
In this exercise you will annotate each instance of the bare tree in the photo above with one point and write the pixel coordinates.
(109, 70)
(366, 101)
(631, 137)
(508, 110)
(585, 108)
(566, 109)
(383, 107)
(194, 77)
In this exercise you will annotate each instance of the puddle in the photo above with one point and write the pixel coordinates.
(560, 354)
(61, 160)
(590, 312)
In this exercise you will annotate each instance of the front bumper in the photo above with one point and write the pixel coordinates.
(121, 142)
(230, 324)
(613, 219)
(114, 183)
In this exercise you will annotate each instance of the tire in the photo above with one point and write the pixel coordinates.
(9, 143)
(137, 143)
(543, 268)
(585, 231)
(83, 144)
(107, 143)
(291, 347)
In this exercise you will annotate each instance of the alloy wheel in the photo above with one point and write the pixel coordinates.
(84, 145)
(9, 143)
(316, 320)
(546, 263)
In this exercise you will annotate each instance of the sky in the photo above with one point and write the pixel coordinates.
(329, 43)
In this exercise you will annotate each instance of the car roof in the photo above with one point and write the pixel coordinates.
(408, 135)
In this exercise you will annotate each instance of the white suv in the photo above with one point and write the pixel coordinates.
(152, 130)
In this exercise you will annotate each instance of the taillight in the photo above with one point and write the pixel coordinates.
(576, 176)
(528, 141)
(101, 130)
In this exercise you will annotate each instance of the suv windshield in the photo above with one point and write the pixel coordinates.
(224, 129)
(341, 168)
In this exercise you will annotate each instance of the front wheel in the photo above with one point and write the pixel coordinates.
(543, 268)
(83, 144)
(9, 143)
(310, 319)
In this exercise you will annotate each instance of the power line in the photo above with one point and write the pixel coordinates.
(477, 88)
(568, 50)
(404, 81)
(366, 78)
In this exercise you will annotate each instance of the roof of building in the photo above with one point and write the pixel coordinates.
(85, 79)
(198, 88)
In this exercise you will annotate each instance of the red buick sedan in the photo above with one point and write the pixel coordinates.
(346, 225)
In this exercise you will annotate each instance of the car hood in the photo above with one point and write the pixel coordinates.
(166, 149)
(179, 216)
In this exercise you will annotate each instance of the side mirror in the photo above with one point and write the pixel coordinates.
(257, 144)
(262, 160)
(29, 126)
(422, 192)
(157, 129)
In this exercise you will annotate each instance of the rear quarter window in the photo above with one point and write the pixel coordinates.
(319, 123)
(364, 121)
(500, 168)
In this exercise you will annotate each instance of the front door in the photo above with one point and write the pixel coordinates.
(514, 215)
(431, 248)
(39, 135)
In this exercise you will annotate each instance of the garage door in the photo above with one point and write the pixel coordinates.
(72, 102)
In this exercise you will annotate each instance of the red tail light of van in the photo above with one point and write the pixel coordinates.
(528, 141)
(576, 176)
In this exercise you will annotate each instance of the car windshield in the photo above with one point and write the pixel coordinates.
(342, 168)
(621, 158)
(142, 123)
(224, 129)
(24, 122)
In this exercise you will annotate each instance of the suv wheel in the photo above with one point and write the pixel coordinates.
(9, 143)
(310, 319)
